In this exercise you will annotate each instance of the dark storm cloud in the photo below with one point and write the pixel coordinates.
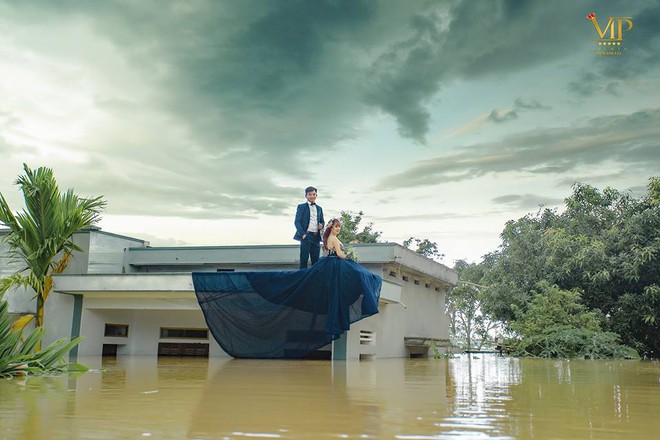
(292, 76)
(276, 77)
(241, 94)
(623, 139)
(473, 39)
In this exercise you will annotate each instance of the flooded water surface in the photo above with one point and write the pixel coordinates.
(465, 397)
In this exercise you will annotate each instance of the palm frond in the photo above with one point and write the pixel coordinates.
(19, 359)
(21, 322)
(40, 237)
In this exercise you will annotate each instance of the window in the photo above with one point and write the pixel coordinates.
(184, 333)
(116, 330)
(367, 337)
(183, 349)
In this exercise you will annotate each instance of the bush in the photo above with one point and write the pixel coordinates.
(18, 358)
(570, 342)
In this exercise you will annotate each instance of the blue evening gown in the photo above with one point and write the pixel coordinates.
(286, 314)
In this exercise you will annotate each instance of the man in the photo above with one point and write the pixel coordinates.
(309, 224)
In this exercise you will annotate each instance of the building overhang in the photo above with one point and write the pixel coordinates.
(123, 286)
(155, 286)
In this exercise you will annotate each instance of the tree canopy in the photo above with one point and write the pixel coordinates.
(470, 325)
(603, 249)
(424, 247)
(350, 230)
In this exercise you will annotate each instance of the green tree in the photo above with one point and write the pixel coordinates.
(551, 306)
(517, 266)
(556, 324)
(40, 237)
(469, 323)
(425, 247)
(351, 233)
(604, 245)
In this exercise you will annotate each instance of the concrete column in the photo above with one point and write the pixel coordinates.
(339, 347)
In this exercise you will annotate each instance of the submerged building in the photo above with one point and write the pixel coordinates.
(128, 298)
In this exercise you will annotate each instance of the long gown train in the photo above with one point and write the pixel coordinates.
(285, 314)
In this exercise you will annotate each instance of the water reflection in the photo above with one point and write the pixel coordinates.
(466, 397)
(341, 399)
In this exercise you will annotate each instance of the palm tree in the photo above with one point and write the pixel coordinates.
(40, 237)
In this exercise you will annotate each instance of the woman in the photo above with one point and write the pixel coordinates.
(331, 243)
(287, 314)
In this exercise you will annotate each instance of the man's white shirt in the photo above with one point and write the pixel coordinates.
(313, 218)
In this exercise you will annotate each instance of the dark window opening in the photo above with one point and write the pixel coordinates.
(109, 350)
(319, 355)
(183, 349)
(116, 330)
(184, 333)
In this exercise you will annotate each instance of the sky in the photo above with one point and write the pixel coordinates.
(201, 122)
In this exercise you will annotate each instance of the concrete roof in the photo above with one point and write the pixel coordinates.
(372, 253)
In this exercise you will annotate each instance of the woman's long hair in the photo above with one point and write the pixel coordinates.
(328, 230)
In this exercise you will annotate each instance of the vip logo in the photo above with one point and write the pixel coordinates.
(614, 25)
(610, 38)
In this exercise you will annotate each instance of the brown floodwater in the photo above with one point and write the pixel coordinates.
(469, 397)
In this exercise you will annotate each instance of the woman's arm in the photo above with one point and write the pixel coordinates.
(333, 243)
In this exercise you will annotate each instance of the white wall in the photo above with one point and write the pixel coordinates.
(144, 330)
(19, 300)
(422, 316)
(106, 252)
(58, 317)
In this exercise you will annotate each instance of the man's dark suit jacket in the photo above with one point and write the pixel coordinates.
(302, 220)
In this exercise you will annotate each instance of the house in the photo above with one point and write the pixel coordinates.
(128, 298)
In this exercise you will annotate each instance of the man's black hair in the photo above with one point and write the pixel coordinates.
(309, 189)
